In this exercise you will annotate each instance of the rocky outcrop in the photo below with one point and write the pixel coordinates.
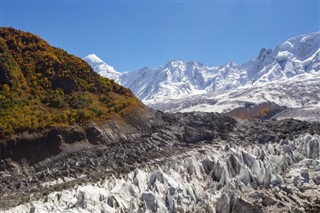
(31, 147)
(172, 163)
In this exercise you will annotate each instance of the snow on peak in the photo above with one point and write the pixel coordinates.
(102, 68)
(300, 47)
(93, 59)
(179, 79)
(174, 63)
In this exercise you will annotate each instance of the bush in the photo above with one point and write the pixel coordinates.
(83, 115)
(79, 101)
(54, 98)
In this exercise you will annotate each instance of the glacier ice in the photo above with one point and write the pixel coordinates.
(212, 178)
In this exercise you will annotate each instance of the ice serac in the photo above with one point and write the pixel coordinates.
(256, 178)
(166, 162)
(102, 67)
(193, 86)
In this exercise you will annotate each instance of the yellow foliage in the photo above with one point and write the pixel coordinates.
(43, 86)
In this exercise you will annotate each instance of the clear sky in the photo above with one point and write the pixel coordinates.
(130, 35)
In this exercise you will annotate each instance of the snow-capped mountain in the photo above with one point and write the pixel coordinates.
(102, 67)
(295, 59)
(295, 56)
(174, 80)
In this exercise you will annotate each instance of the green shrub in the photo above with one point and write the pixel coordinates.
(79, 101)
(54, 98)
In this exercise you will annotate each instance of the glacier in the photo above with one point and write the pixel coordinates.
(227, 177)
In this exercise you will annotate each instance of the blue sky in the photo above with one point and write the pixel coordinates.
(133, 34)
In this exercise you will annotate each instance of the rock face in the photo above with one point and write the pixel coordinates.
(200, 162)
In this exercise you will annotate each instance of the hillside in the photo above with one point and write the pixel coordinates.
(43, 86)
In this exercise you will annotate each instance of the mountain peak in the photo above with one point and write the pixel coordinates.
(93, 59)
(174, 63)
(183, 64)
(300, 47)
(195, 63)
(305, 37)
(102, 68)
(228, 64)
(264, 53)
(177, 78)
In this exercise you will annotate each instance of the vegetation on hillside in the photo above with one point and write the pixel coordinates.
(42, 86)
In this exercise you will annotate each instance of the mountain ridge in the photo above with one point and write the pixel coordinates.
(176, 80)
(102, 68)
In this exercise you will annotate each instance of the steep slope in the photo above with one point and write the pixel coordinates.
(43, 86)
(189, 86)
